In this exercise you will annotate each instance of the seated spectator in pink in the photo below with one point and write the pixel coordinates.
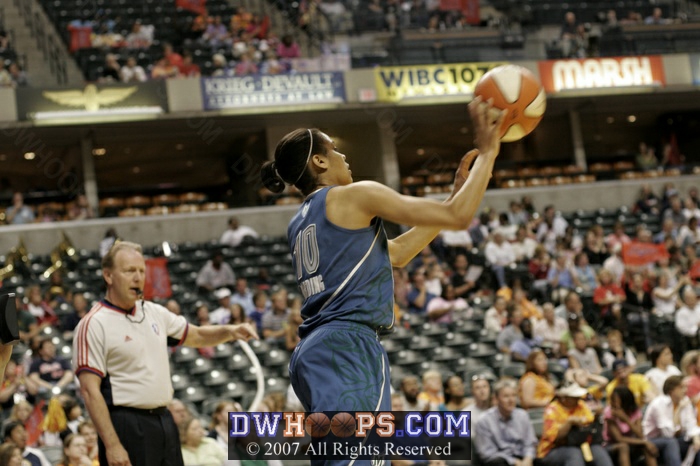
(246, 66)
(617, 236)
(447, 307)
(288, 48)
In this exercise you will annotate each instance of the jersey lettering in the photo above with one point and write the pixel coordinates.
(308, 258)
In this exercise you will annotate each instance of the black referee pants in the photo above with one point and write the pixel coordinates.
(150, 437)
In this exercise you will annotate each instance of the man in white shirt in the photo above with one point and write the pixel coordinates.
(481, 393)
(235, 233)
(132, 72)
(672, 433)
(215, 274)
(688, 316)
(551, 328)
(222, 314)
(614, 263)
(500, 255)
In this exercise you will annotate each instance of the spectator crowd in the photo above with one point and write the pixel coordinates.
(580, 368)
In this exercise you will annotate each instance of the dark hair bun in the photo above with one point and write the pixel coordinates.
(270, 179)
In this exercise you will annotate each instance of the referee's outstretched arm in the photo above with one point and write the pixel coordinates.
(213, 335)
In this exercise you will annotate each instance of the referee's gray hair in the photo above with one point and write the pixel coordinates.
(504, 383)
(108, 259)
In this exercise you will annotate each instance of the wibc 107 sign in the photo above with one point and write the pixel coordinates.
(397, 83)
(591, 73)
(259, 91)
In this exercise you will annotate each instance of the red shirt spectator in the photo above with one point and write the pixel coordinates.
(189, 69)
(608, 293)
(173, 57)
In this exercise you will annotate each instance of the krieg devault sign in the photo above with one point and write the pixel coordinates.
(302, 88)
(92, 100)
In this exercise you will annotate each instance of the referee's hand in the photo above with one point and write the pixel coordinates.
(243, 332)
(117, 456)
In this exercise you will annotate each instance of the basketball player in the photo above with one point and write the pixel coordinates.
(343, 260)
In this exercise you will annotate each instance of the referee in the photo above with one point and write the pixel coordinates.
(121, 359)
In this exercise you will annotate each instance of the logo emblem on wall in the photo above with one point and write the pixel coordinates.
(91, 98)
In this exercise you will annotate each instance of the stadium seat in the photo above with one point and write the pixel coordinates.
(185, 355)
(200, 367)
(515, 370)
(457, 341)
(276, 358)
(237, 363)
(223, 351)
(444, 354)
(232, 390)
(194, 394)
(410, 360)
(180, 381)
(215, 378)
(421, 343)
(642, 367)
(260, 347)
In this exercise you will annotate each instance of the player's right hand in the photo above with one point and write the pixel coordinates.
(117, 456)
(487, 122)
(463, 170)
(244, 332)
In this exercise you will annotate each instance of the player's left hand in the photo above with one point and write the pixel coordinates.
(243, 332)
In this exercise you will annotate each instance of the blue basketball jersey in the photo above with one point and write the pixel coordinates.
(343, 275)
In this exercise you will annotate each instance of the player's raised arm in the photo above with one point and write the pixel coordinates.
(372, 199)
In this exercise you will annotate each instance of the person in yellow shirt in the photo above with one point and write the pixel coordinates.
(640, 387)
(432, 390)
(568, 410)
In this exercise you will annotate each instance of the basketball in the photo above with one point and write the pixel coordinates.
(517, 90)
(317, 425)
(343, 425)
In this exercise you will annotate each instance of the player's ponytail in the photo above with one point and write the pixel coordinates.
(270, 179)
(291, 165)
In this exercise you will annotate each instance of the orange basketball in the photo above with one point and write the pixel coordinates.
(343, 425)
(515, 89)
(318, 425)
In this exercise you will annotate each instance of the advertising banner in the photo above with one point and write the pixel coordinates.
(397, 83)
(591, 73)
(259, 91)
